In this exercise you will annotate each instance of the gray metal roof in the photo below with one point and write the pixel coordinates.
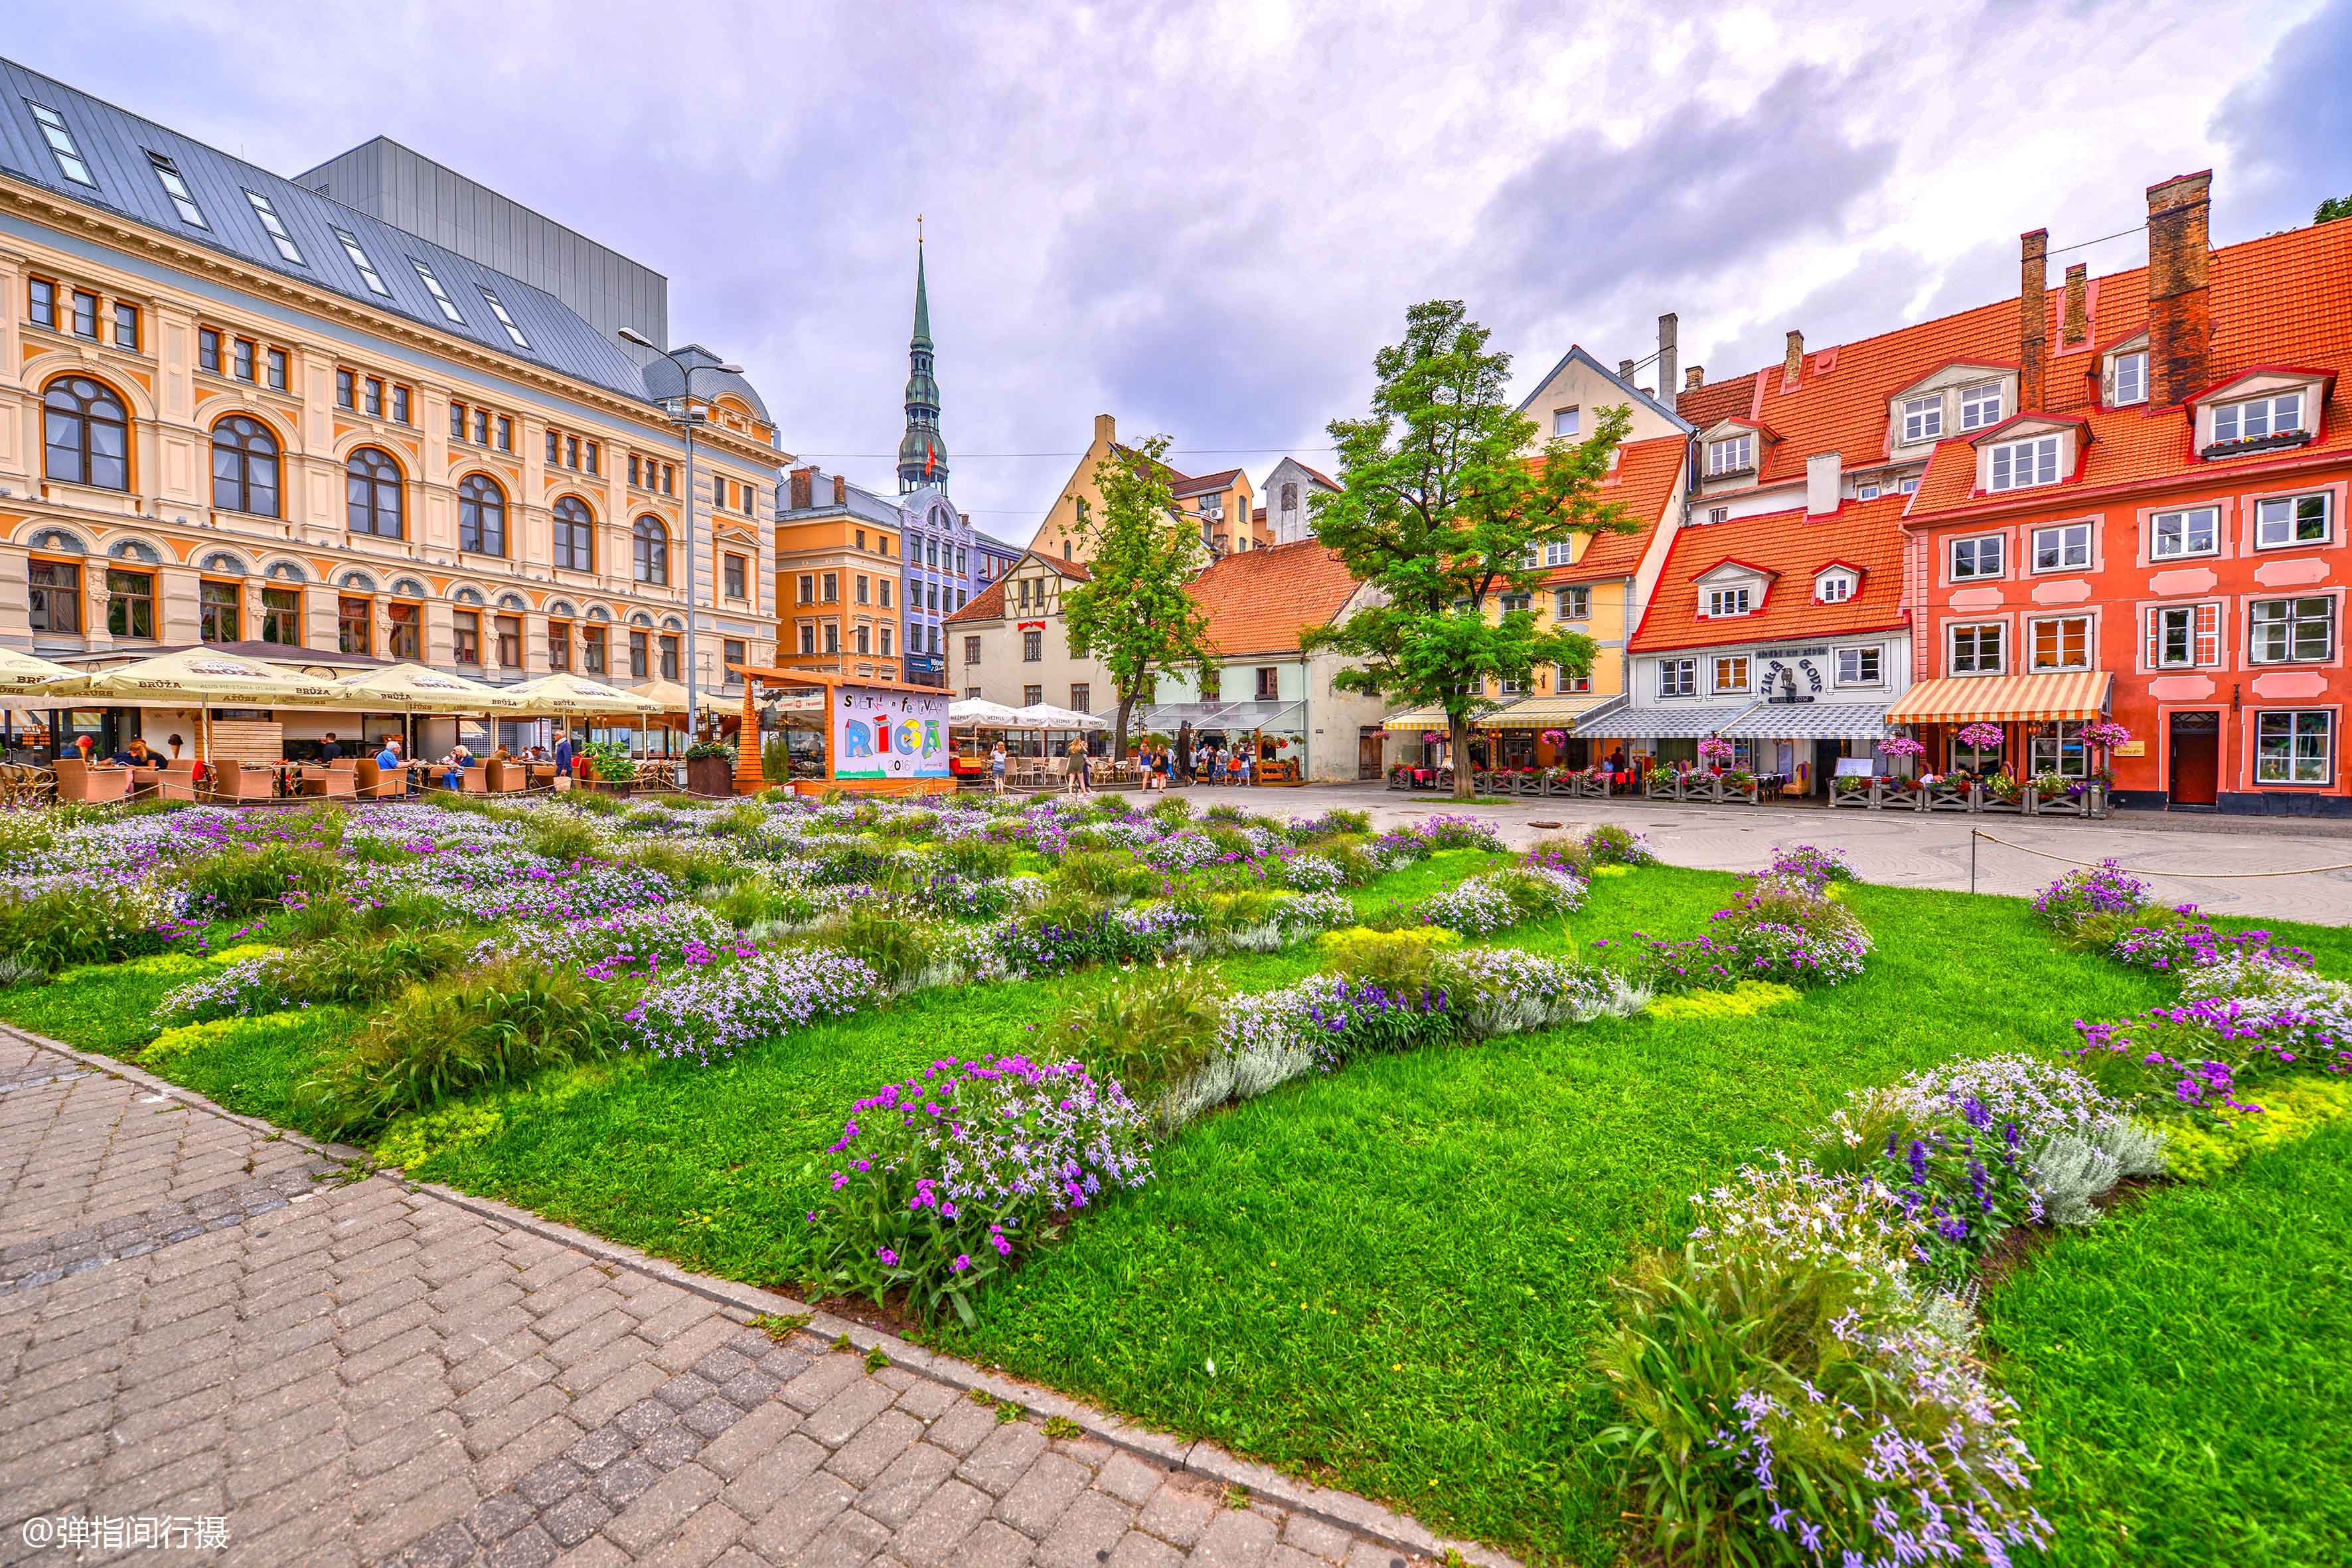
(1576, 356)
(663, 380)
(114, 145)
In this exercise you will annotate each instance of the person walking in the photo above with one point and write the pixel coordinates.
(996, 766)
(1159, 767)
(1079, 783)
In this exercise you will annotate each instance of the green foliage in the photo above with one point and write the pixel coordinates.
(1404, 960)
(2293, 1108)
(1146, 1029)
(1106, 873)
(414, 1140)
(560, 835)
(973, 856)
(898, 948)
(480, 1029)
(1439, 510)
(609, 761)
(1744, 1000)
(692, 869)
(236, 884)
(64, 926)
(361, 974)
(2333, 209)
(775, 760)
(1132, 615)
(596, 803)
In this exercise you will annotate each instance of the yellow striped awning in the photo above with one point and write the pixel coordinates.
(2002, 699)
(1547, 712)
(1416, 719)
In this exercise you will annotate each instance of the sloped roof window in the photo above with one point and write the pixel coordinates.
(368, 274)
(278, 234)
(513, 331)
(61, 143)
(177, 189)
(440, 295)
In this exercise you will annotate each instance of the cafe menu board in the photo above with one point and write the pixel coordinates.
(882, 732)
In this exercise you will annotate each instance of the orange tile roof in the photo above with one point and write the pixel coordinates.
(1643, 483)
(1865, 535)
(2285, 299)
(988, 605)
(1257, 601)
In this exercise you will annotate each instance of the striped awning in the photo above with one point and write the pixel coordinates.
(1415, 718)
(1809, 722)
(1555, 712)
(2002, 699)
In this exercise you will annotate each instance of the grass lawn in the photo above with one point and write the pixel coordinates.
(1389, 1277)
(2186, 1367)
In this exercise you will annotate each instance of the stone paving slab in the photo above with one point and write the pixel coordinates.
(203, 1319)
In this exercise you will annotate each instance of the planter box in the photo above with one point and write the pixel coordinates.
(1951, 797)
(1401, 781)
(1989, 802)
(1894, 797)
(710, 776)
(1663, 792)
(1583, 786)
(1860, 799)
(610, 786)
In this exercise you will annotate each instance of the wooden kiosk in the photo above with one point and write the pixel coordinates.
(881, 737)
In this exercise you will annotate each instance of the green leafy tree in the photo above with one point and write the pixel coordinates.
(1132, 614)
(2331, 209)
(1440, 509)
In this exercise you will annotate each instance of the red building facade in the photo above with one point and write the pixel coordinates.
(2156, 535)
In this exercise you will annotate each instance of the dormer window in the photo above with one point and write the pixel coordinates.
(1731, 454)
(1980, 406)
(1721, 602)
(2257, 419)
(2131, 378)
(1834, 587)
(2016, 465)
(1923, 417)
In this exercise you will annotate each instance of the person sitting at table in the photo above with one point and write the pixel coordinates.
(387, 756)
(330, 749)
(454, 766)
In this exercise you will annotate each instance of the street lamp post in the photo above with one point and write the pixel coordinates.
(687, 421)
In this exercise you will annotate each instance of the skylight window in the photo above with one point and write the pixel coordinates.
(277, 227)
(177, 189)
(506, 320)
(61, 143)
(440, 295)
(368, 273)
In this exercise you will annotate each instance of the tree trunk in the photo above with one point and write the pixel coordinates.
(1118, 736)
(1458, 727)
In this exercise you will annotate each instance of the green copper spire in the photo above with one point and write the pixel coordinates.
(922, 455)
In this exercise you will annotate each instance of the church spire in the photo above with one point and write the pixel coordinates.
(922, 455)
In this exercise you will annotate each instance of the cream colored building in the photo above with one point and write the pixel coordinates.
(1011, 644)
(1220, 505)
(233, 411)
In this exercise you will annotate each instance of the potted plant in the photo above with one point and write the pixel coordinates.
(710, 768)
(2001, 791)
(1662, 782)
(610, 767)
(1400, 776)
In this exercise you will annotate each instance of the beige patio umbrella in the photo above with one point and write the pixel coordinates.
(199, 678)
(23, 675)
(414, 688)
(578, 694)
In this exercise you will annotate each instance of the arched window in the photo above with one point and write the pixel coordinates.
(87, 434)
(575, 535)
(245, 466)
(652, 550)
(371, 493)
(481, 515)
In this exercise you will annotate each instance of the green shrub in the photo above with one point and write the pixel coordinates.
(1572, 855)
(236, 884)
(1146, 1029)
(595, 801)
(1106, 873)
(898, 949)
(973, 856)
(1611, 844)
(362, 973)
(445, 1039)
(1172, 811)
(1396, 961)
(692, 869)
(64, 926)
(741, 820)
(559, 835)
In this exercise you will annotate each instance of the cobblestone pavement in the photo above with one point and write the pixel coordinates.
(1909, 848)
(201, 1319)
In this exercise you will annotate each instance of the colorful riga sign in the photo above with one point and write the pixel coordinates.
(882, 733)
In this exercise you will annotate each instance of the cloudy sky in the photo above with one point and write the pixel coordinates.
(1204, 218)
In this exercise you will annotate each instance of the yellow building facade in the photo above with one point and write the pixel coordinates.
(839, 573)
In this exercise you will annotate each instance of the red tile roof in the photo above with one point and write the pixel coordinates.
(988, 605)
(2282, 299)
(1866, 536)
(1643, 482)
(1257, 601)
(1221, 480)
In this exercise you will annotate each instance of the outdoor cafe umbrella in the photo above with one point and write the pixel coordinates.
(200, 677)
(973, 713)
(1045, 716)
(576, 694)
(23, 675)
(414, 688)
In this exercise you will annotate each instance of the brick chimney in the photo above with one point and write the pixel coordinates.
(804, 488)
(1669, 351)
(1624, 370)
(1106, 429)
(1792, 364)
(840, 490)
(2076, 323)
(1693, 378)
(2180, 313)
(2033, 318)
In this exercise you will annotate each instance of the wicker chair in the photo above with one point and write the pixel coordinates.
(79, 780)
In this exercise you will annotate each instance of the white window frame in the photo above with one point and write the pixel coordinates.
(278, 234)
(1835, 587)
(2090, 643)
(1977, 573)
(2000, 632)
(440, 295)
(2058, 749)
(2276, 765)
(2287, 625)
(368, 274)
(2184, 550)
(1569, 421)
(514, 333)
(2202, 648)
(1572, 603)
(2286, 510)
(1922, 417)
(1865, 493)
(1983, 405)
(2131, 378)
(2068, 536)
(1731, 454)
(1850, 662)
(60, 136)
(2277, 413)
(2023, 465)
(1910, 485)
(1715, 667)
(1728, 603)
(1678, 677)
(175, 185)
(1558, 552)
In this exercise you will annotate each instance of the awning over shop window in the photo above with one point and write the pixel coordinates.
(1678, 723)
(1809, 722)
(1416, 720)
(2004, 699)
(1556, 713)
(1167, 718)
